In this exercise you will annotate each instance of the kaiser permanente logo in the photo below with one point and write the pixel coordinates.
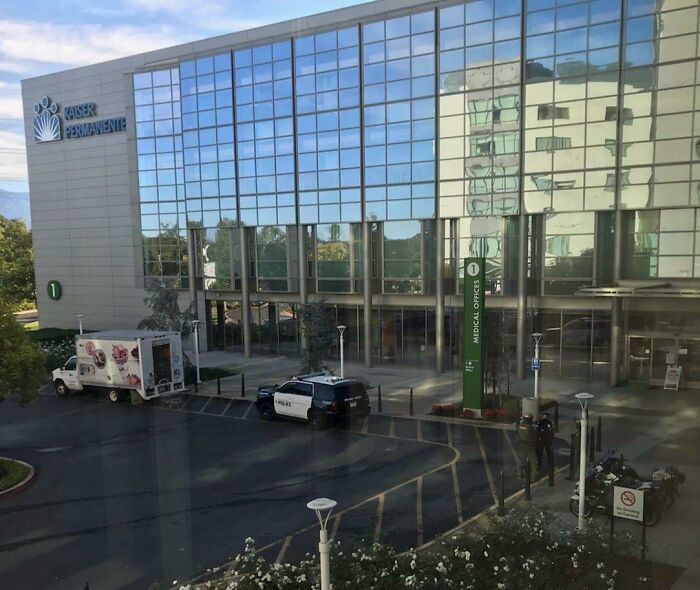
(47, 121)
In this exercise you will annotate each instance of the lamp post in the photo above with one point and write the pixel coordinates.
(195, 327)
(80, 317)
(320, 505)
(341, 329)
(537, 336)
(583, 401)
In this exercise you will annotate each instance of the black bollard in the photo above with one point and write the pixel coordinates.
(572, 458)
(591, 445)
(218, 386)
(502, 497)
(410, 403)
(87, 586)
(556, 416)
(379, 399)
(195, 385)
(528, 493)
(550, 468)
(242, 384)
(599, 439)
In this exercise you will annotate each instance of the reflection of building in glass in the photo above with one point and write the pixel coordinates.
(362, 155)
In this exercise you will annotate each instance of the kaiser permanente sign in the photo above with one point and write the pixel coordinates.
(48, 120)
(473, 334)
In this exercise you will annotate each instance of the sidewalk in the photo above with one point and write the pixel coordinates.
(651, 427)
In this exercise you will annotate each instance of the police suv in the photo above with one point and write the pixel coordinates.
(319, 398)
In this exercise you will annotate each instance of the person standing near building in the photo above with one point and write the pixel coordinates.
(526, 443)
(545, 438)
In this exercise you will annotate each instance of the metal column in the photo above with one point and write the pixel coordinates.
(245, 292)
(303, 287)
(616, 319)
(367, 291)
(440, 296)
(521, 345)
(191, 268)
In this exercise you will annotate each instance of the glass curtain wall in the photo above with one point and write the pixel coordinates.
(160, 175)
(208, 141)
(568, 253)
(402, 257)
(265, 134)
(398, 57)
(571, 88)
(327, 86)
(479, 108)
(663, 244)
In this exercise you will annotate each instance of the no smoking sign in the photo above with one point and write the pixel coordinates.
(628, 503)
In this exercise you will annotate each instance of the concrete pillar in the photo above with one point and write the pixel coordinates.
(440, 296)
(192, 267)
(367, 291)
(522, 335)
(616, 316)
(245, 292)
(303, 287)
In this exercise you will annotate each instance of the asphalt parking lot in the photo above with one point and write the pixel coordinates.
(126, 496)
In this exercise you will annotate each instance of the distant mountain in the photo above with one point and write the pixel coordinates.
(15, 206)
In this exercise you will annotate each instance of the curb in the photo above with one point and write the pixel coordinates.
(18, 487)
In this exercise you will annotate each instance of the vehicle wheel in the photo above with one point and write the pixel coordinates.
(61, 388)
(587, 508)
(114, 396)
(267, 412)
(652, 515)
(316, 421)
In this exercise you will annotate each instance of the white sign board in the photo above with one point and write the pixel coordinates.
(673, 377)
(628, 503)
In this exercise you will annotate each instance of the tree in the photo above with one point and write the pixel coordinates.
(22, 369)
(318, 328)
(16, 263)
(167, 314)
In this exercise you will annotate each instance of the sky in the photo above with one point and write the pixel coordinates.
(39, 37)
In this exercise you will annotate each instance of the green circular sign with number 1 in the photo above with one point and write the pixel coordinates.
(54, 290)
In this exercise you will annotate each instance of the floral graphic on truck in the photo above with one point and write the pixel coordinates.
(120, 354)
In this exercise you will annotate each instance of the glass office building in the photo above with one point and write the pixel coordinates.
(361, 162)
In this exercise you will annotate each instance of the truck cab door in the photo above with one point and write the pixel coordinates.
(283, 399)
(69, 374)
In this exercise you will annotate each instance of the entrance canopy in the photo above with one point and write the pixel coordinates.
(644, 290)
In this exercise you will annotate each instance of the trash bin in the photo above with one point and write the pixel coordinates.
(531, 406)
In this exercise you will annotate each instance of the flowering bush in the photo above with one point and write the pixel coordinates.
(57, 351)
(523, 551)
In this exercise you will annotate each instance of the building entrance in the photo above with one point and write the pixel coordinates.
(648, 355)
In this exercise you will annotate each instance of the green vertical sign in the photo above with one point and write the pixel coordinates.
(473, 334)
(54, 291)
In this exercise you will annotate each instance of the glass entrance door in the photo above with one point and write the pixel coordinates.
(639, 359)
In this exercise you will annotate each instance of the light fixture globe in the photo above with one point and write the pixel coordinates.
(321, 504)
(341, 328)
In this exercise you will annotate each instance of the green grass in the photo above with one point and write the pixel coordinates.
(11, 473)
(31, 326)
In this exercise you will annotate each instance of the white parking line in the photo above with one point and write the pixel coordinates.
(283, 550)
(392, 428)
(512, 450)
(380, 514)
(365, 426)
(250, 407)
(419, 510)
(489, 475)
(228, 405)
(419, 430)
(206, 404)
(189, 399)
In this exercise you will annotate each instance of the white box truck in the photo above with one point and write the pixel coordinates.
(120, 361)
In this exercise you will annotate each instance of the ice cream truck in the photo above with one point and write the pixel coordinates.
(121, 361)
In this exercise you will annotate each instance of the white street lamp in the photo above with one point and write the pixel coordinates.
(583, 401)
(341, 329)
(537, 336)
(320, 505)
(80, 317)
(195, 326)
